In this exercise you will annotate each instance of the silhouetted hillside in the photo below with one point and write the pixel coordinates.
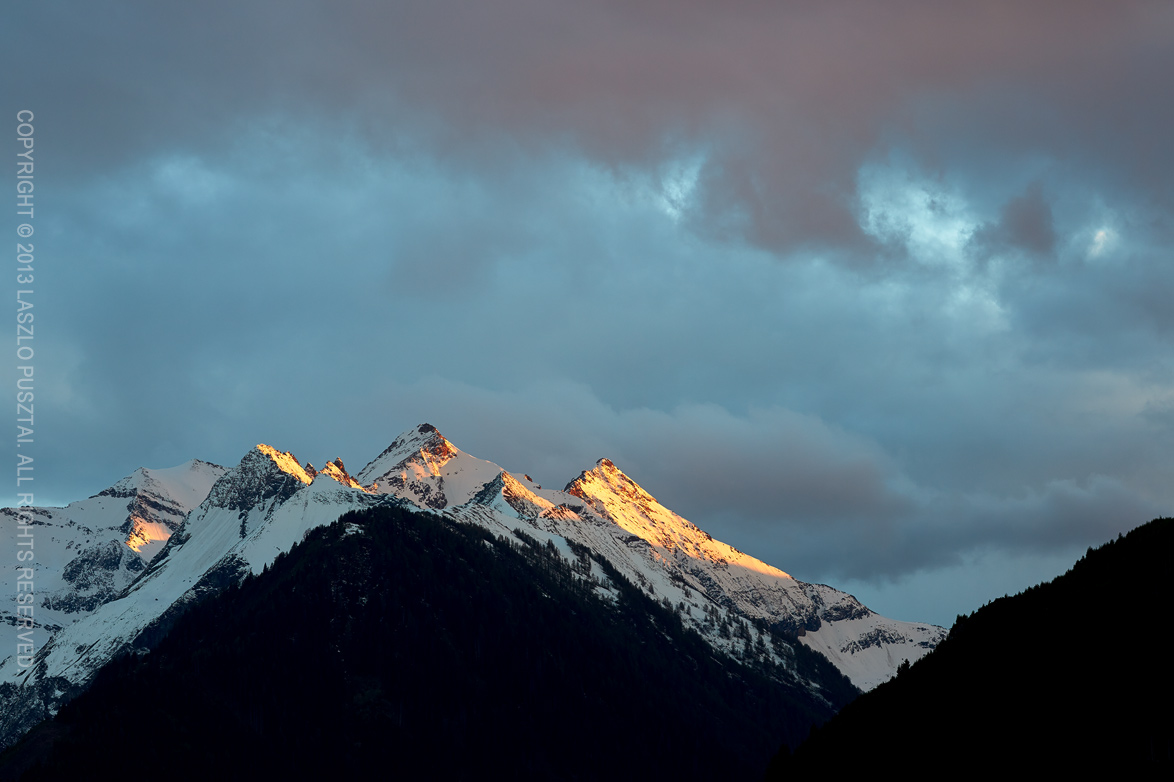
(394, 643)
(1086, 683)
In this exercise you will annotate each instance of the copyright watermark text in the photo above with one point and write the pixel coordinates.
(25, 379)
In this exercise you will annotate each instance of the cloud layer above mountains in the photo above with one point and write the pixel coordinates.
(879, 293)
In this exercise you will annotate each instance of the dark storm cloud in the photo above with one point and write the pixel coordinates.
(862, 288)
(833, 495)
(1025, 223)
(785, 99)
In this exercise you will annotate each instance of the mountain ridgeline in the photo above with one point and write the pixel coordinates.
(1086, 685)
(396, 643)
(122, 567)
(437, 616)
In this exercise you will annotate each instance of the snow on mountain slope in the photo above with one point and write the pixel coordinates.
(90, 550)
(427, 470)
(265, 504)
(865, 646)
(672, 558)
(252, 513)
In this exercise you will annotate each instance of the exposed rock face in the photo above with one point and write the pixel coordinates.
(108, 599)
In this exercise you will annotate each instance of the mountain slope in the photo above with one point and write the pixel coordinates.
(673, 559)
(252, 513)
(260, 508)
(200, 558)
(396, 643)
(90, 550)
(1086, 683)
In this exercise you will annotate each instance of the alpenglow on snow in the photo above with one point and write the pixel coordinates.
(115, 570)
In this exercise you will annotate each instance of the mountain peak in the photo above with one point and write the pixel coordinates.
(263, 473)
(423, 445)
(607, 479)
(286, 462)
(426, 435)
(249, 514)
(426, 469)
(338, 472)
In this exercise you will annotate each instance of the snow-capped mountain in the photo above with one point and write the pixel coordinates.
(672, 558)
(248, 515)
(88, 552)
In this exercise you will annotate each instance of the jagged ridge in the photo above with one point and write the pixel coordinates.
(266, 503)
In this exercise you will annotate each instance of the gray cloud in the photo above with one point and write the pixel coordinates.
(873, 292)
(785, 100)
(1025, 224)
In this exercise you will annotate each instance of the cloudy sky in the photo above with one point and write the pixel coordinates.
(877, 292)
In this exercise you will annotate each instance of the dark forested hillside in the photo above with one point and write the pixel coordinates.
(1075, 672)
(398, 643)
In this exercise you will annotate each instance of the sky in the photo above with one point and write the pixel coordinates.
(878, 293)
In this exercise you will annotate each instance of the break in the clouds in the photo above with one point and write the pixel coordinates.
(877, 292)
